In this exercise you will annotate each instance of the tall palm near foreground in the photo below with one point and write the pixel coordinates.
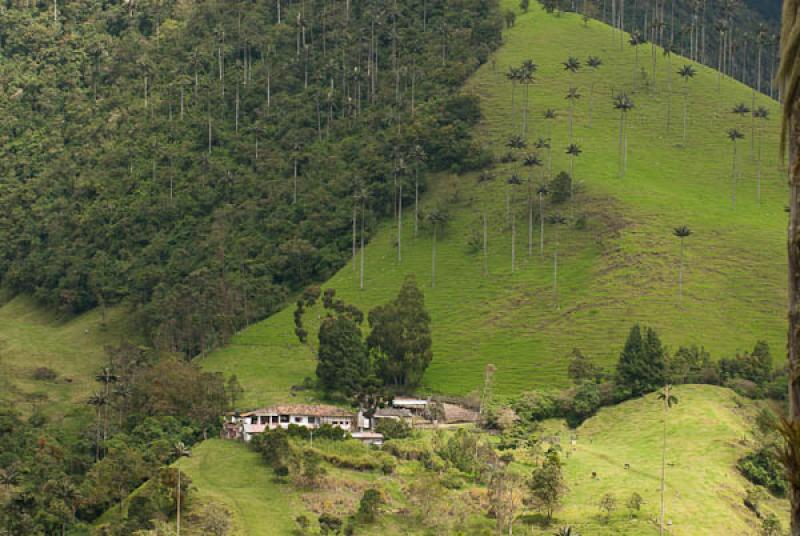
(669, 400)
(686, 72)
(623, 104)
(99, 401)
(541, 192)
(681, 232)
(556, 220)
(179, 451)
(362, 195)
(515, 143)
(531, 161)
(513, 75)
(594, 63)
(513, 182)
(437, 218)
(762, 114)
(734, 135)
(572, 96)
(789, 81)
(526, 78)
(574, 151)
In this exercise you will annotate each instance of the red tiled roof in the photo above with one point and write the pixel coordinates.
(311, 410)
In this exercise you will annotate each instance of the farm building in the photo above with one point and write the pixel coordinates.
(244, 425)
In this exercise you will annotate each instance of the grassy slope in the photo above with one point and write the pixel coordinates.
(707, 430)
(31, 337)
(621, 269)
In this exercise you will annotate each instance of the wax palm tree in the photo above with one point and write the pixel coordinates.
(557, 220)
(513, 182)
(594, 63)
(513, 75)
(762, 114)
(741, 110)
(541, 192)
(635, 40)
(437, 218)
(572, 96)
(10, 476)
(531, 161)
(99, 401)
(681, 232)
(669, 400)
(574, 151)
(544, 143)
(106, 377)
(734, 135)
(362, 195)
(686, 72)
(789, 81)
(180, 450)
(573, 65)
(526, 77)
(623, 104)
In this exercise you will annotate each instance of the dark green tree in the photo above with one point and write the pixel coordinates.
(401, 336)
(642, 363)
(343, 361)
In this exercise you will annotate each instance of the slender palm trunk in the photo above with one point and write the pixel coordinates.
(355, 214)
(485, 244)
(513, 241)
(178, 496)
(620, 149)
(733, 177)
(363, 251)
(758, 171)
(663, 465)
(416, 201)
(571, 107)
(680, 274)
(530, 220)
(555, 275)
(400, 225)
(591, 98)
(685, 109)
(541, 224)
(433, 258)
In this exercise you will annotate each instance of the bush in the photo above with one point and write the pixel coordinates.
(368, 507)
(561, 188)
(393, 428)
(44, 374)
(763, 468)
(536, 406)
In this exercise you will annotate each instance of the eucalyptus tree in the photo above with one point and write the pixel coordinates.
(734, 135)
(624, 105)
(556, 220)
(438, 219)
(572, 96)
(762, 114)
(788, 80)
(669, 400)
(687, 72)
(681, 233)
(531, 161)
(513, 182)
(526, 78)
(594, 63)
(541, 192)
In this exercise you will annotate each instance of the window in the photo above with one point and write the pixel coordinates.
(274, 419)
(284, 418)
(264, 419)
(298, 419)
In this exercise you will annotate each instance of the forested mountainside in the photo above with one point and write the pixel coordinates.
(203, 160)
(738, 38)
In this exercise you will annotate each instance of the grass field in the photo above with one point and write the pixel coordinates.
(707, 433)
(620, 269)
(32, 337)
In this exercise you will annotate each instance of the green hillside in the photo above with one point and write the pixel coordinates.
(707, 433)
(72, 346)
(621, 268)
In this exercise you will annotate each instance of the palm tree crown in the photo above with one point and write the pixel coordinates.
(594, 62)
(542, 143)
(574, 150)
(682, 231)
(734, 134)
(572, 64)
(516, 142)
(550, 113)
(623, 103)
(761, 113)
(532, 160)
(686, 72)
(572, 94)
(741, 109)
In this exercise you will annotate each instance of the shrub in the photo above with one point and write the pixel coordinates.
(536, 406)
(369, 505)
(763, 467)
(44, 374)
(393, 428)
(561, 188)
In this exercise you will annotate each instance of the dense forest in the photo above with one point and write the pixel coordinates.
(201, 161)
